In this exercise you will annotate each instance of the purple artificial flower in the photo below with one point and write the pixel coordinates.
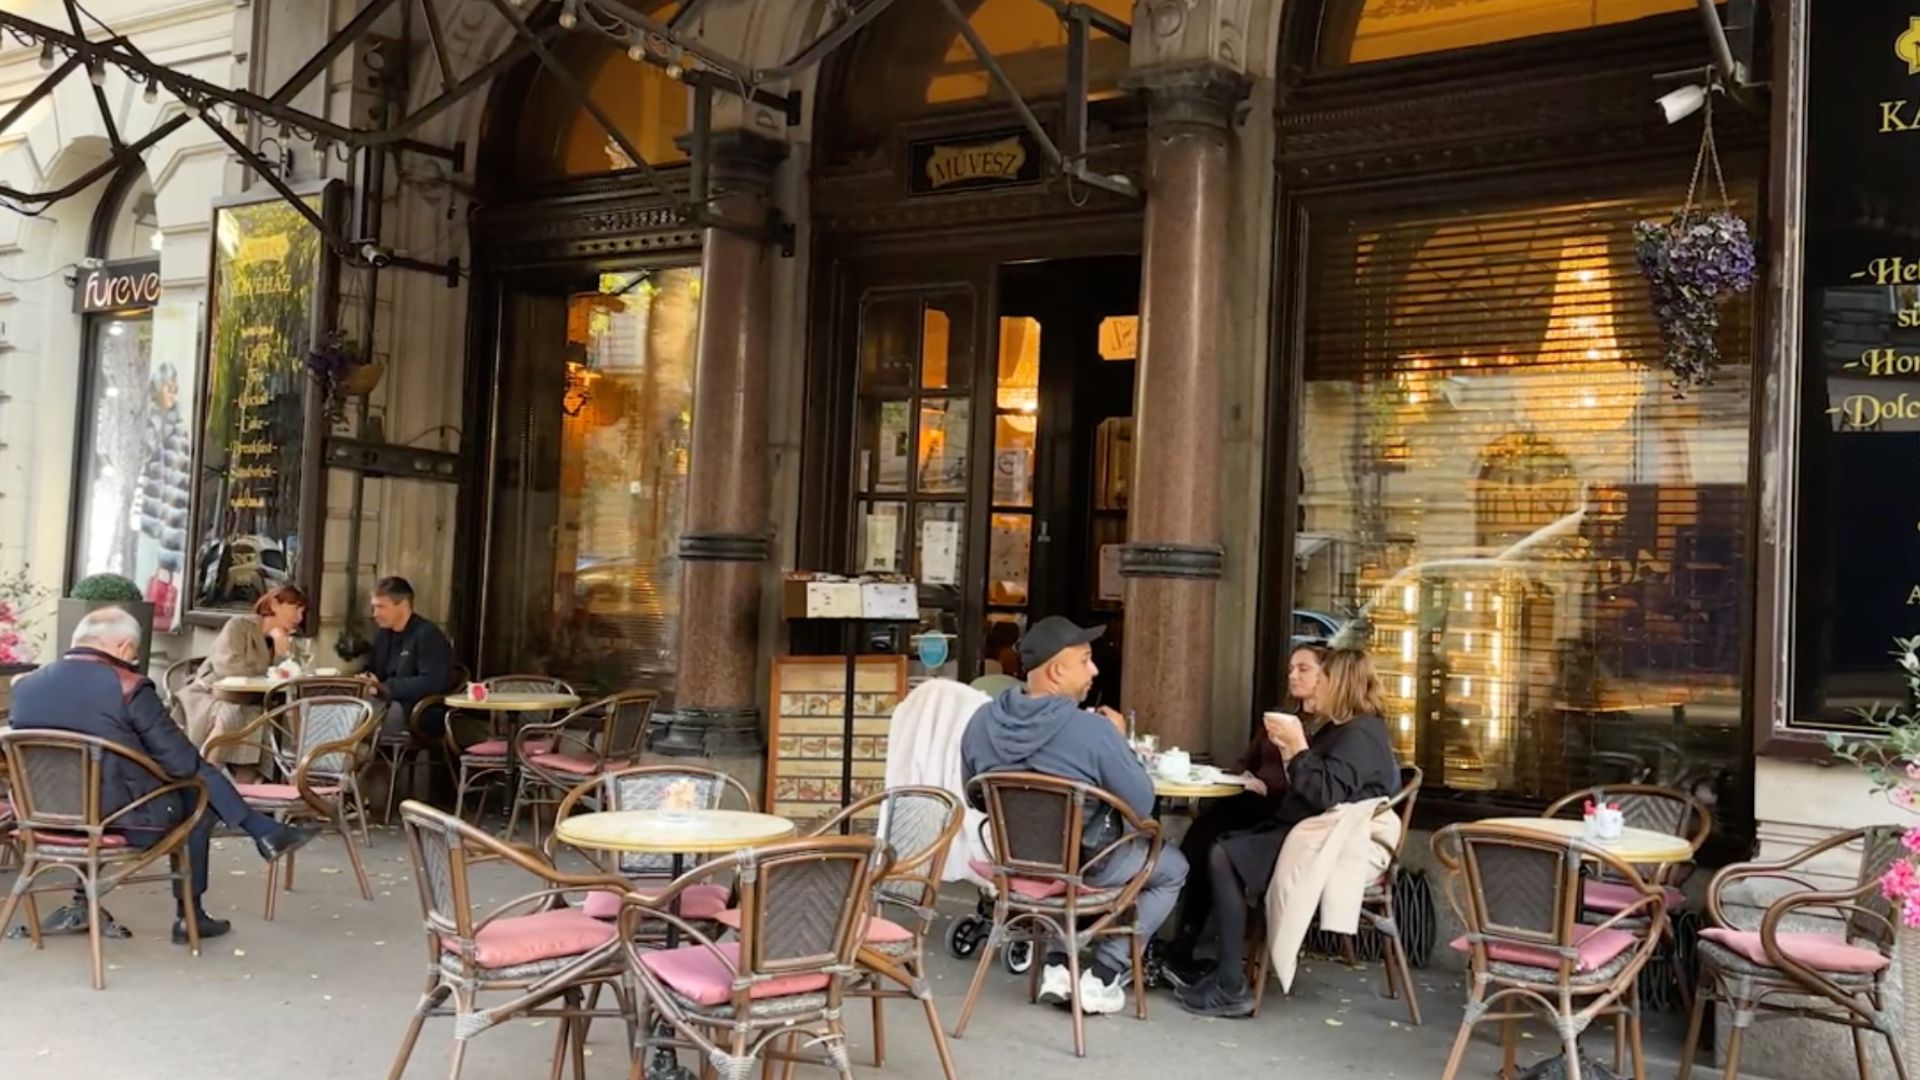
(1693, 262)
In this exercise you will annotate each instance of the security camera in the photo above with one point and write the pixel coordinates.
(1677, 105)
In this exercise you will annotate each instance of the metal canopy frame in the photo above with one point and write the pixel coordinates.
(669, 45)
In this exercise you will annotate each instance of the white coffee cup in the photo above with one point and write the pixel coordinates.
(1175, 764)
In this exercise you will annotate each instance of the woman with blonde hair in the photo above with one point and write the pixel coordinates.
(1348, 759)
(247, 645)
(1265, 772)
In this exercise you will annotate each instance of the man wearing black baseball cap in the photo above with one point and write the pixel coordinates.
(1042, 728)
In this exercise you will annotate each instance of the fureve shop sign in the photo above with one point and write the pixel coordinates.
(118, 287)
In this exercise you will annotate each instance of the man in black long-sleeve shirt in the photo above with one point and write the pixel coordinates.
(412, 658)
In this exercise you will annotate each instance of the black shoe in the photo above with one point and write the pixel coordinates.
(1187, 972)
(210, 927)
(284, 841)
(1209, 998)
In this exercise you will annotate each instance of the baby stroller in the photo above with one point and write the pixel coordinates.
(969, 932)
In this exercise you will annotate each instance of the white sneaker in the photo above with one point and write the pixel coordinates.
(1102, 998)
(1055, 987)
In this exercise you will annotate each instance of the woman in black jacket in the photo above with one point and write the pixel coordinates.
(1350, 758)
(1265, 770)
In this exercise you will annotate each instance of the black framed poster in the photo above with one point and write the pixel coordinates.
(1857, 579)
(257, 465)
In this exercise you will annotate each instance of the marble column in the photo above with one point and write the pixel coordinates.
(1173, 557)
(723, 541)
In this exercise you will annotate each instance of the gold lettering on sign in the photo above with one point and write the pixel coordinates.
(1000, 160)
(1880, 363)
(1913, 596)
(1907, 45)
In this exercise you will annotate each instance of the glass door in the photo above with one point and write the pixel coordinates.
(595, 410)
(913, 469)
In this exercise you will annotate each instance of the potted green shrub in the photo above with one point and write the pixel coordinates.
(101, 591)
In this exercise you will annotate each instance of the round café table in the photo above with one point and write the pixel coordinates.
(1641, 847)
(677, 834)
(511, 707)
(1192, 790)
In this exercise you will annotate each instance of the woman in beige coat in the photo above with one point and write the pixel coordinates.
(248, 645)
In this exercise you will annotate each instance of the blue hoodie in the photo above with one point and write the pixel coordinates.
(1055, 736)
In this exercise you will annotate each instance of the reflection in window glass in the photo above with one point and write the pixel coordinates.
(1009, 559)
(1120, 337)
(1542, 543)
(556, 139)
(133, 516)
(943, 446)
(1013, 460)
(625, 425)
(1392, 28)
(936, 341)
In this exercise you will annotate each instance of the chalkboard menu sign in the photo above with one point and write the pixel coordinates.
(1858, 574)
(266, 293)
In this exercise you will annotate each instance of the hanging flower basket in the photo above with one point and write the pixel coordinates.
(342, 372)
(1693, 262)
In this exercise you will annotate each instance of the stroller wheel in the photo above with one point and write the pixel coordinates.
(1019, 957)
(968, 932)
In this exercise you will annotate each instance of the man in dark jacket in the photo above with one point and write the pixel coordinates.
(412, 658)
(1042, 728)
(95, 690)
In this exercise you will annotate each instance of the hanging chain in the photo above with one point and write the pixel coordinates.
(1709, 154)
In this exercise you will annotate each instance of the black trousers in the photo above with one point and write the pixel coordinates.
(226, 806)
(1243, 811)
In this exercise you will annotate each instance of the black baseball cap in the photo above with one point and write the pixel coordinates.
(1050, 636)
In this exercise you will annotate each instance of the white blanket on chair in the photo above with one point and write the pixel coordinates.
(923, 750)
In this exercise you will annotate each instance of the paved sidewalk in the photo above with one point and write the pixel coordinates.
(326, 990)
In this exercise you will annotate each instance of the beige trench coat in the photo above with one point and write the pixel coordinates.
(240, 649)
(1325, 867)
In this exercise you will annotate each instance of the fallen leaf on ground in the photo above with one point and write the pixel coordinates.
(239, 952)
(1331, 1022)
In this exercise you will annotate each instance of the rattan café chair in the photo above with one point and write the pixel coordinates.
(1529, 954)
(918, 825)
(1815, 953)
(56, 777)
(597, 737)
(803, 906)
(314, 745)
(487, 759)
(534, 948)
(1039, 873)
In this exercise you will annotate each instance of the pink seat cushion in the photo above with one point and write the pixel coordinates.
(68, 839)
(1597, 948)
(279, 792)
(695, 973)
(1821, 952)
(1030, 888)
(1613, 897)
(498, 748)
(878, 931)
(567, 763)
(529, 939)
(698, 902)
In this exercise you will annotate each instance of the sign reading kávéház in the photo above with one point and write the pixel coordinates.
(118, 287)
(991, 161)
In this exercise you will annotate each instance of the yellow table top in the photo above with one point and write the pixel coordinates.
(1634, 845)
(1174, 789)
(669, 832)
(514, 701)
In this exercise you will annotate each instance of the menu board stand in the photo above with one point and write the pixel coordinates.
(852, 629)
